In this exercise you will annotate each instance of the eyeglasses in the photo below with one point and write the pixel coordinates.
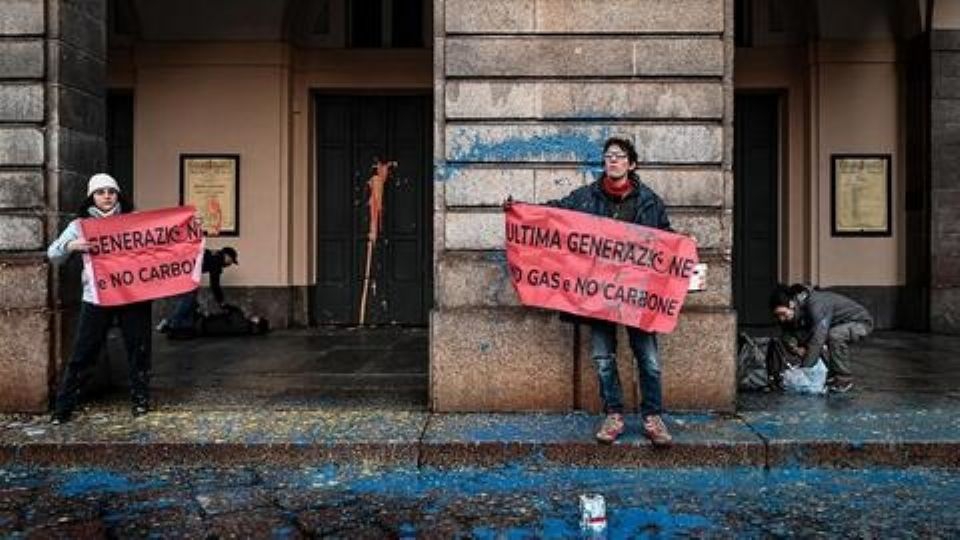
(614, 156)
(105, 191)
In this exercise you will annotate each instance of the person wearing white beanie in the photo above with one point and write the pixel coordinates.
(101, 181)
(103, 199)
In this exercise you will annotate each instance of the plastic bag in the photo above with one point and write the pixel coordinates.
(801, 380)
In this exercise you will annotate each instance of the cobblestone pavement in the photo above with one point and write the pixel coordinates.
(508, 502)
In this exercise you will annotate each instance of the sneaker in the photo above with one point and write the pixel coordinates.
(612, 427)
(656, 431)
(839, 385)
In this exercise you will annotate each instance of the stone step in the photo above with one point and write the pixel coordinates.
(377, 438)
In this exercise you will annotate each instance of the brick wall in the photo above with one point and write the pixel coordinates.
(526, 93)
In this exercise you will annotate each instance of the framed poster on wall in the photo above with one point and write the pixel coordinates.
(860, 194)
(211, 183)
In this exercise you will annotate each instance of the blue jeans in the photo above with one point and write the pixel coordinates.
(182, 316)
(604, 353)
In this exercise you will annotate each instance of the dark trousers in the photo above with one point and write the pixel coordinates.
(183, 312)
(838, 345)
(95, 321)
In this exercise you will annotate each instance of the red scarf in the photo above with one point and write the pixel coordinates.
(616, 190)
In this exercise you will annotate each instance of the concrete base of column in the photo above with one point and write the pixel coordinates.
(514, 359)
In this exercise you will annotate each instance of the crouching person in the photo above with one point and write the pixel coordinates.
(821, 323)
(103, 199)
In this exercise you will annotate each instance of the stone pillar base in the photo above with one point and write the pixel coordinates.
(945, 311)
(518, 359)
(698, 361)
(504, 359)
(25, 334)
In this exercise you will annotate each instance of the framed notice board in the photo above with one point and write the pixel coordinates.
(211, 183)
(860, 194)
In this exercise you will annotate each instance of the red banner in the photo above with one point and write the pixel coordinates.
(143, 255)
(597, 267)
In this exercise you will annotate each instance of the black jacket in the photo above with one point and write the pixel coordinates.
(213, 265)
(644, 207)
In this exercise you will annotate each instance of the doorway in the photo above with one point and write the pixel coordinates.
(756, 218)
(120, 139)
(353, 131)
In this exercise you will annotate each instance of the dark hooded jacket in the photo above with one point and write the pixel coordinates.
(818, 311)
(213, 265)
(641, 206)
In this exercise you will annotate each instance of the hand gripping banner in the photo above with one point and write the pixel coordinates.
(597, 267)
(143, 255)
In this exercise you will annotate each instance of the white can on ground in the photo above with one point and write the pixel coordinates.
(593, 513)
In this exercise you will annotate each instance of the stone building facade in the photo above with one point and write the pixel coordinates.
(526, 93)
(523, 94)
(52, 115)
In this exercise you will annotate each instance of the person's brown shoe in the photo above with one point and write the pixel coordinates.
(611, 428)
(655, 430)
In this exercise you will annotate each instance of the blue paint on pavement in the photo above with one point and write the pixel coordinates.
(79, 483)
(659, 521)
(532, 502)
(282, 533)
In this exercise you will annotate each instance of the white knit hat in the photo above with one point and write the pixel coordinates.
(101, 181)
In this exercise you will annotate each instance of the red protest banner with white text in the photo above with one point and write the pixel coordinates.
(143, 255)
(597, 267)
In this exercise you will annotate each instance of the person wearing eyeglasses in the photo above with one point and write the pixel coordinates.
(619, 194)
(103, 199)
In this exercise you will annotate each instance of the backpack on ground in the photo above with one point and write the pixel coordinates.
(752, 363)
(231, 321)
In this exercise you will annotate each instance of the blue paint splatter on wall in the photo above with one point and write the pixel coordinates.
(471, 144)
(443, 172)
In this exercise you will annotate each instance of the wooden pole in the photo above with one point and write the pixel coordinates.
(366, 281)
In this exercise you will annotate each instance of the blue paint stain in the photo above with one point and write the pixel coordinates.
(101, 481)
(406, 531)
(555, 527)
(484, 533)
(638, 522)
(634, 497)
(564, 144)
(281, 533)
(496, 256)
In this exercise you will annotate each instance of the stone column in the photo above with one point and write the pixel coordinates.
(526, 93)
(945, 182)
(52, 117)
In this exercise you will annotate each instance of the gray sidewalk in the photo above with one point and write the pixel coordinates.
(905, 411)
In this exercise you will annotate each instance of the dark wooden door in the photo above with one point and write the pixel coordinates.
(351, 132)
(756, 151)
(120, 139)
